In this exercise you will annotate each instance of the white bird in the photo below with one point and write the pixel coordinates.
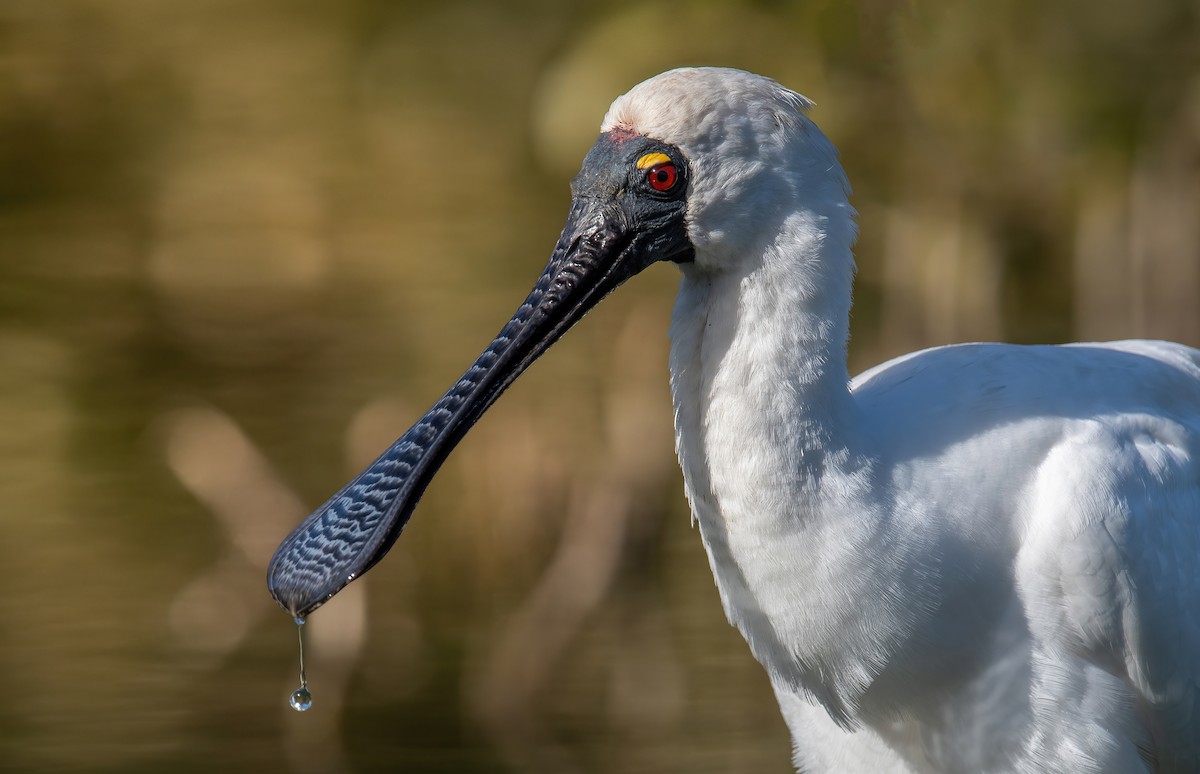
(975, 558)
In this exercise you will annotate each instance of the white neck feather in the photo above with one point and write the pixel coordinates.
(763, 411)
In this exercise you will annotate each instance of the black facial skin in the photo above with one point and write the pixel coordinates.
(619, 192)
(618, 225)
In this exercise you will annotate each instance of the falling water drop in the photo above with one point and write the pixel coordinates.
(301, 699)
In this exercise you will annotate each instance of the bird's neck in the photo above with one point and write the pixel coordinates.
(767, 437)
(763, 410)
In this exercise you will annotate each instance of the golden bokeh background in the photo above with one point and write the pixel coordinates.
(244, 244)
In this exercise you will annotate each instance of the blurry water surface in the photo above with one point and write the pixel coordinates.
(244, 244)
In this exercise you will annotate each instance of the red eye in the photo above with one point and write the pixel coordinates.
(662, 177)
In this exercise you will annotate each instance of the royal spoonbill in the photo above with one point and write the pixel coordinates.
(975, 558)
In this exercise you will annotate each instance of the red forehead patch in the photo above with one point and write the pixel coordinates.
(621, 135)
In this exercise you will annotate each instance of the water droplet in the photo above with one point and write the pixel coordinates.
(301, 699)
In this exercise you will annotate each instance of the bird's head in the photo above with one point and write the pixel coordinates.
(700, 167)
(745, 157)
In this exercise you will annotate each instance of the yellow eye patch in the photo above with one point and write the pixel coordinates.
(653, 159)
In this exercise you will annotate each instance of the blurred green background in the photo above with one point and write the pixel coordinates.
(244, 244)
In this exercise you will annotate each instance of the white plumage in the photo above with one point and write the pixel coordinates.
(978, 558)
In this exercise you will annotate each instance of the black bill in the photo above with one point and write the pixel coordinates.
(623, 217)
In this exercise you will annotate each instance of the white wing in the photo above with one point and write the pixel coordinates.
(1078, 469)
